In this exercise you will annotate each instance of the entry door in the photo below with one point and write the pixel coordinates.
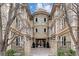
(40, 42)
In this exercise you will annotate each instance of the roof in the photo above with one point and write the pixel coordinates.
(41, 11)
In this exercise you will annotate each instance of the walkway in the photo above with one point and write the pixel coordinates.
(40, 51)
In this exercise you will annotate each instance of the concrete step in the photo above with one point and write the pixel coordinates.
(40, 51)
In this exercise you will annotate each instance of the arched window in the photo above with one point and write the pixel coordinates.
(44, 29)
(44, 19)
(36, 19)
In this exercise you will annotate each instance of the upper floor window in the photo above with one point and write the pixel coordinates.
(63, 23)
(36, 30)
(36, 19)
(44, 29)
(44, 19)
(18, 23)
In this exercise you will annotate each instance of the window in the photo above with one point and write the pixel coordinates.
(36, 30)
(44, 29)
(64, 41)
(63, 23)
(44, 19)
(18, 23)
(59, 37)
(17, 40)
(22, 39)
(36, 19)
(61, 7)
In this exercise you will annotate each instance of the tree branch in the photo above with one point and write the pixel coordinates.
(69, 26)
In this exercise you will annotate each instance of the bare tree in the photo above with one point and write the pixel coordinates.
(76, 11)
(76, 41)
(11, 17)
(12, 14)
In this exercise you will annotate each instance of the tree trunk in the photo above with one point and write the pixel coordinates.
(78, 29)
(11, 17)
(0, 31)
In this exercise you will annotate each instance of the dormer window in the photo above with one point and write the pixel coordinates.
(44, 19)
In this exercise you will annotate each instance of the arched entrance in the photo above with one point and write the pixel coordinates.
(40, 43)
(40, 47)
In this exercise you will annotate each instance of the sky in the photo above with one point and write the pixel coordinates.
(46, 6)
(32, 7)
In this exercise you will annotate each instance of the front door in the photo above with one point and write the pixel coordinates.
(40, 43)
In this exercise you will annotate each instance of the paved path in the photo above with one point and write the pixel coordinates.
(40, 51)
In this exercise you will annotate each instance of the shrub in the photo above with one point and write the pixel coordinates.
(10, 52)
(71, 52)
(61, 52)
